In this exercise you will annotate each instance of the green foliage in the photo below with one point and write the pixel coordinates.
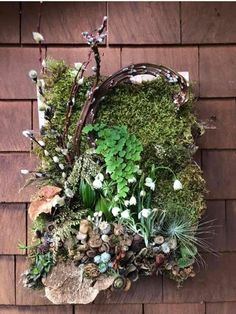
(87, 194)
(149, 113)
(121, 152)
(39, 269)
(103, 205)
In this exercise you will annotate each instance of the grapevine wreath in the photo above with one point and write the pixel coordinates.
(119, 195)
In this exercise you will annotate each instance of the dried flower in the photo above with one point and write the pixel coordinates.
(115, 211)
(37, 37)
(177, 185)
(132, 200)
(105, 257)
(125, 214)
(104, 227)
(24, 171)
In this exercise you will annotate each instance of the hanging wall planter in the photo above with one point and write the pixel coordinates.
(119, 196)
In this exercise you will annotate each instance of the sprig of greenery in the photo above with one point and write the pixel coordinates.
(121, 152)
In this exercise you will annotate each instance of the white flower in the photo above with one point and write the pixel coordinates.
(132, 200)
(69, 193)
(33, 74)
(115, 211)
(81, 81)
(99, 177)
(132, 180)
(37, 37)
(125, 214)
(126, 202)
(105, 18)
(165, 248)
(97, 184)
(150, 183)
(27, 133)
(63, 175)
(55, 159)
(57, 200)
(24, 171)
(177, 185)
(142, 193)
(64, 151)
(41, 143)
(78, 65)
(61, 166)
(46, 153)
(145, 212)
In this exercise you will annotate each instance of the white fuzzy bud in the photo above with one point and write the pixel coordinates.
(81, 81)
(37, 37)
(55, 159)
(132, 201)
(177, 185)
(61, 166)
(46, 153)
(41, 143)
(24, 171)
(78, 65)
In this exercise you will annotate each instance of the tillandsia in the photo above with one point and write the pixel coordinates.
(119, 195)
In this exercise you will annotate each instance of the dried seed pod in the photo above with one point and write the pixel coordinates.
(172, 243)
(95, 242)
(104, 248)
(159, 239)
(104, 227)
(119, 283)
(81, 236)
(105, 238)
(160, 258)
(91, 270)
(91, 253)
(118, 229)
(128, 285)
(84, 226)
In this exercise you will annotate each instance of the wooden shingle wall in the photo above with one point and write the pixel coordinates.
(195, 37)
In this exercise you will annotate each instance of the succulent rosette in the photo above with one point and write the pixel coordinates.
(119, 196)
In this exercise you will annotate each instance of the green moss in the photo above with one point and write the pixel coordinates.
(149, 113)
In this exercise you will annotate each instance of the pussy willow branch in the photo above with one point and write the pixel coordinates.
(93, 42)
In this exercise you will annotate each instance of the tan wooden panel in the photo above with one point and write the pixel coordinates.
(107, 309)
(36, 309)
(221, 308)
(174, 308)
(9, 23)
(7, 280)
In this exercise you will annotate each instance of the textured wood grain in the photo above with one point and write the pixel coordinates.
(9, 23)
(174, 308)
(107, 309)
(143, 23)
(215, 283)
(13, 228)
(204, 22)
(216, 216)
(36, 309)
(221, 308)
(62, 22)
(217, 71)
(15, 117)
(146, 290)
(7, 280)
(11, 180)
(177, 58)
(231, 223)
(220, 116)
(15, 64)
(25, 296)
(220, 173)
(110, 58)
